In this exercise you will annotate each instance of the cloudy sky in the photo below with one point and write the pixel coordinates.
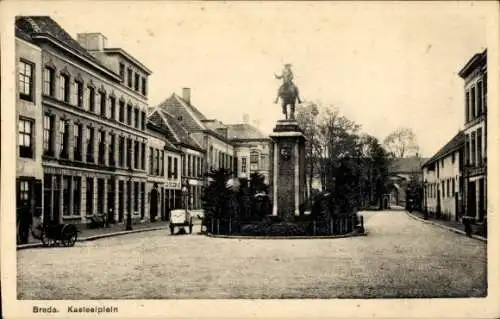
(383, 65)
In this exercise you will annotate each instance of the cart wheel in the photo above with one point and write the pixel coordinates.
(190, 228)
(171, 229)
(46, 240)
(69, 236)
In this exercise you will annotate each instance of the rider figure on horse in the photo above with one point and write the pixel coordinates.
(287, 76)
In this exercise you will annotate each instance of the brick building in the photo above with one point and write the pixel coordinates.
(29, 171)
(474, 74)
(93, 133)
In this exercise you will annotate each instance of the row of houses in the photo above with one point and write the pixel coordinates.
(90, 143)
(455, 179)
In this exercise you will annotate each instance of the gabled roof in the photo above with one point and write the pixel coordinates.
(40, 27)
(244, 131)
(454, 144)
(175, 132)
(174, 102)
(406, 164)
(129, 57)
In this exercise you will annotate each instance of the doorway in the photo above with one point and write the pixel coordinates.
(154, 205)
(471, 199)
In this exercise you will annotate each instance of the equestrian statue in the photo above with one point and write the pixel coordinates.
(288, 92)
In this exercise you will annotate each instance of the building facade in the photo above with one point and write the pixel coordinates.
(94, 125)
(474, 74)
(29, 118)
(443, 181)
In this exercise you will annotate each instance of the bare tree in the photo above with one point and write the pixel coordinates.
(401, 142)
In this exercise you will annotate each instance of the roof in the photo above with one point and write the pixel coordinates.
(129, 57)
(244, 131)
(173, 128)
(43, 26)
(406, 164)
(477, 60)
(454, 144)
(197, 112)
(175, 105)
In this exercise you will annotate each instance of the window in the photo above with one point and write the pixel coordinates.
(102, 147)
(129, 114)
(144, 91)
(90, 196)
(136, 196)
(473, 149)
(175, 168)
(64, 88)
(121, 151)
(91, 92)
(63, 138)
(136, 154)
(136, 118)
(136, 82)
(77, 195)
(473, 103)
(48, 81)
(122, 71)
(480, 98)
(26, 80)
(77, 138)
(26, 138)
(79, 93)
(100, 194)
(453, 187)
(111, 151)
(89, 142)
(453, 157)
(254, 160)
(66, 194)
(448, 188)
(243, 164)
(479, 138)
(162, 163)
(103, 103)
(263, 161)
(157, 162)
(143, 120)
(112, 107)
(129, 153)
(122, 112)
(169, 166)
(467, 107)
(48, 135)
(151, 160)
(189, 165)
(467, 150)
(143, 156)
(129, 78)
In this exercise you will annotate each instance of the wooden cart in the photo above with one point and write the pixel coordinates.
(180, 218)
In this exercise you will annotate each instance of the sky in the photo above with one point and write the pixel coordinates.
(384, 65)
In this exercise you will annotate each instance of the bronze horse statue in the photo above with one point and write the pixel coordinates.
(289, 94)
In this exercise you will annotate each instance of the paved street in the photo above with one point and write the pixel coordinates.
(400, 257)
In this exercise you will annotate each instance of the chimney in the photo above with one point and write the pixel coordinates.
(186, 95)
(92, 41)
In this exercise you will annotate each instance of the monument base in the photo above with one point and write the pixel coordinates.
(288, 171)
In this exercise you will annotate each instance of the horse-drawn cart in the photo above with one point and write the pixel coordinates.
(55, 234)
(180, 218)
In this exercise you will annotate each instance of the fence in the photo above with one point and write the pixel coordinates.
(335, 225)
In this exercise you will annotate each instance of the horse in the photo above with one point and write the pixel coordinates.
(289, 95)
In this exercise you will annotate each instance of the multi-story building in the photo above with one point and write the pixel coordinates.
(474, 74)
(29, 171)
(94, 125)
(164, 175)
(443, 180)
(251, 150)
(190, 161)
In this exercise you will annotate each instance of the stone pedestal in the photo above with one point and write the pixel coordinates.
(288, 169)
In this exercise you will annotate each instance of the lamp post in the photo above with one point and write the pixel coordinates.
(129, 212)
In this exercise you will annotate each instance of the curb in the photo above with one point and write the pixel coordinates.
(288, 237)
(458, 231)
(95, 237)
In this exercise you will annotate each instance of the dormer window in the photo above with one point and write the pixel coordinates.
(179, 118)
